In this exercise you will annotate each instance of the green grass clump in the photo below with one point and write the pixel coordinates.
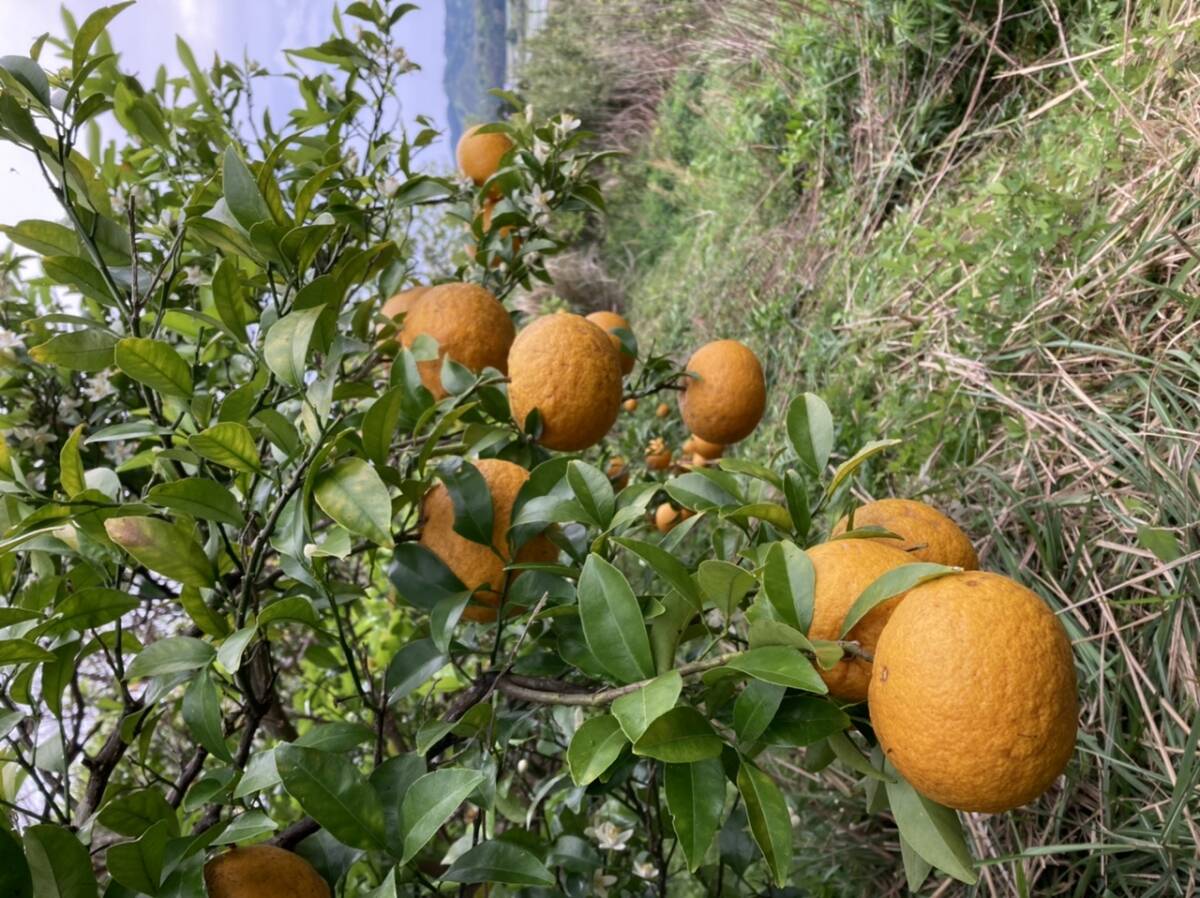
(979, 235)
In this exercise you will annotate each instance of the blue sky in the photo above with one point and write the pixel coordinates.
(145, 37)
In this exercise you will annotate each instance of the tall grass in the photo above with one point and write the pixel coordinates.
(978, 224)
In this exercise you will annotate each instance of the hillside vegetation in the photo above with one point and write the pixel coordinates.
(972, 225)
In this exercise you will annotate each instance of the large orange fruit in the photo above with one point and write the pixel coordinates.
(928, 535)
(262, 871)
(566, 368)
(469, 324)
(724, 402)
(479, 155)
(479, 567)
(843, 569)
(608, 322)
(973, 693)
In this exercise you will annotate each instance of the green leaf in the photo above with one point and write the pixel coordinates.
(804, 720)
(59, 863)
(430, 802)
(286, 345)
(666, 565)
(174, 654)
(797, 504)
(29, 75)
(681, 736)
(135, 812)
(44, 237)
(890, 584)
(241, 191)
(202, 714)
(788, 580)
(412, 666)
(916, 868)
(70, 464)
(497, 861)
(19, 651)
(724, 584)
(155, 364)
(933, 831)
(199, 497)
(810, 428)
(755, 709)
(770, 822)
(355, 496)
(93, 26)
(86, 350)
(15, 879)
(696, 798)
(229, 656)
(852, 464)
(391, 780)
(638, 710)
(230, 298)
(229, 444)
(594, 748)
(593, 491)
(421, 578)
(90, 607)
(471, 498)
(83, 276)
(612, 622)
(164, 548)
(138, 865)
(335, 793)
(781, 665)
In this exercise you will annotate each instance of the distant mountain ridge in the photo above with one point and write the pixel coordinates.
(476, 46)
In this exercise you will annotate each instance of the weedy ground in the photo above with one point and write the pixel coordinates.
(973, 226)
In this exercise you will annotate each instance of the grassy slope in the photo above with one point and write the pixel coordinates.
(1009, 284)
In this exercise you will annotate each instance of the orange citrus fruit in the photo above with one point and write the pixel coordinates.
(658, 455)
(666, 516)
(469, 325)
(928, 535)
(479, 155)
(567, 369)
(843, 569)
(262, 871)
(973, 692)
(618, 472)
(608, 322)
(402, 302)
(479, 567)
(725, 399)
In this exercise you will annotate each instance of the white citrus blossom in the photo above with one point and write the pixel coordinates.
(98, 387)
(600, 883)
(565, 125)
(541, 151)
(645, 870)
(609, 836)
(10, 340)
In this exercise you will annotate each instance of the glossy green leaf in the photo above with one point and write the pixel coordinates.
(501, 862)
(724, 584)
(45, 237)
(934, 832)
(890, 584)
(285, 347)
(755, 709)
(70, 464)
(230, 299)
(29, 75)
(93, 26)
(810, 428)
(681, 736)
(852, 464)
(86, 350)
(770, 822)
(430, 802)
(612, 622)
(241, 191)
(92, 606)
(202, 715)
(673, 572)
(594, 748)
(637, 710)
(412, 666)
(788, 581)
(199, 497)
(696, 799)
(138, 865)
(164, 548)
(173, 654)
(228, 444)
(16, 881)
(19, 651)
(59, 863)
(593, 491)
(155, 364)
(781, 665)
(471, 499)
(355, 496)
(335, 793)
(804, 720)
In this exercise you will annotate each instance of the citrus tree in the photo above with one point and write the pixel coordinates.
(317, 578)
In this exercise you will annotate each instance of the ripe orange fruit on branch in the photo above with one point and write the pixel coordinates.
(477, 566)
(843, 569)
(704, 447)
(469, 325)
(630, 405)
(724, 402)
(618, 473)
(566, 368)
(402, 302)
(608, 322)
(928, 535)
(658, 455)
(666, 516)
(262, 871)
(479, 155)
(662, 411)
(973, 693)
